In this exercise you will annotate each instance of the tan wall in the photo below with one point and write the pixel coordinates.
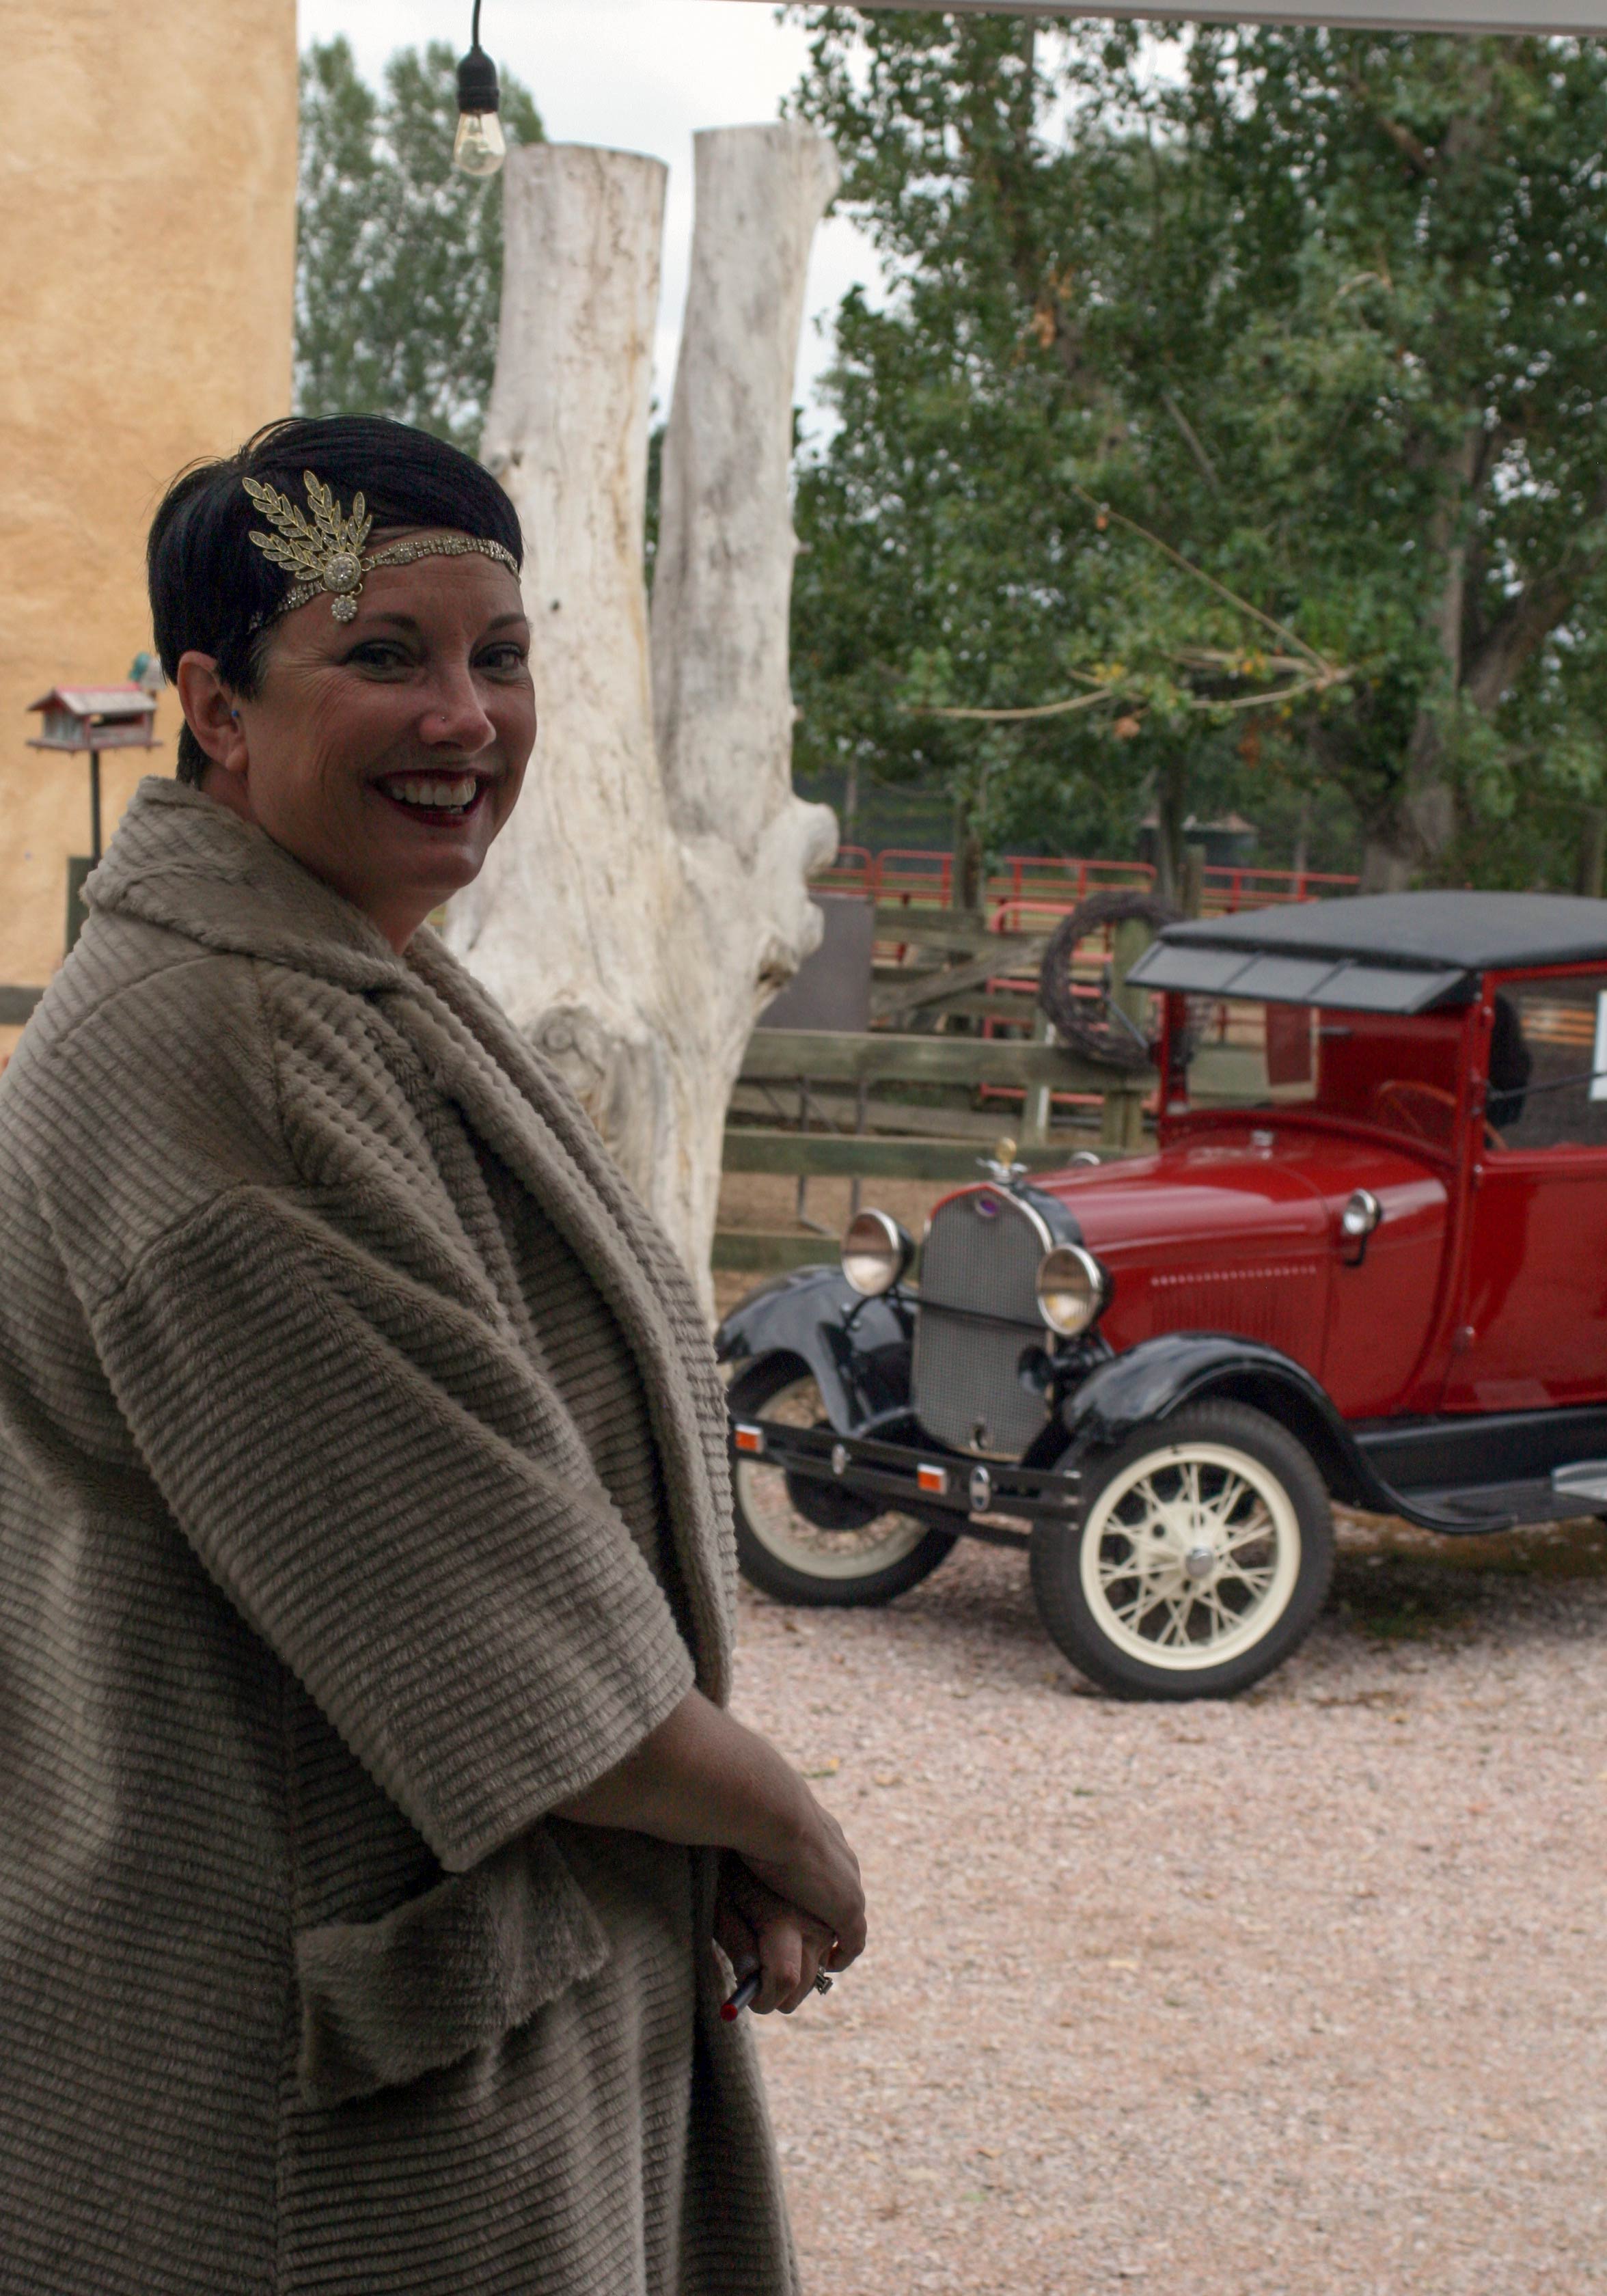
(147, 247)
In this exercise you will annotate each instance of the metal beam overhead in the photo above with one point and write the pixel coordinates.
(1567, 18)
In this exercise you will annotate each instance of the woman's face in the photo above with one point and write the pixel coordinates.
(385, 752)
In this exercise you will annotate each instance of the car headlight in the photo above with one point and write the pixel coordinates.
(875, 1253)
(1072, 1289)
(1361, 1214)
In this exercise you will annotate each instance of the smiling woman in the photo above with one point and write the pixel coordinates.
(375, 715)
(369, 1813)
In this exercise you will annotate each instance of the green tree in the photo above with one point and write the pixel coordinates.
(1323, 314)
(398, 273)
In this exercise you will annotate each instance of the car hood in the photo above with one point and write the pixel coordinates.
(1237, 1191)
(1238, 1231)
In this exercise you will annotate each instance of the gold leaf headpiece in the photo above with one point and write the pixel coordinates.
(327, 554)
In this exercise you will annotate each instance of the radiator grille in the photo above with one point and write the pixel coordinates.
(980, 1257)
(981, 1253)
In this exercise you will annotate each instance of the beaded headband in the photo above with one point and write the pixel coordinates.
(327, 555)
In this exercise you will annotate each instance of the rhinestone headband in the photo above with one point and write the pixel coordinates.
(327, 555)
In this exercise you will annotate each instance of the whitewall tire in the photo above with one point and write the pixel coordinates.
(813, 1543)
(1203, 1557)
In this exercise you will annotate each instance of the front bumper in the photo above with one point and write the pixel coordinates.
(937, 1486)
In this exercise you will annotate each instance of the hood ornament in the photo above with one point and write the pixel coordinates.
(1001, 1166)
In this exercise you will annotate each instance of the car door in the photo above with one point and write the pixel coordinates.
(1531, 1328)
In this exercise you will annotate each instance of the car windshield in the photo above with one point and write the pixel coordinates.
(1371, 1067)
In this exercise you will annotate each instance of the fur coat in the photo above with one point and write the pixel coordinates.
(363, 1498)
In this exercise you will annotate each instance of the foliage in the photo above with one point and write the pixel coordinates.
(1323, 313)
(398, 274)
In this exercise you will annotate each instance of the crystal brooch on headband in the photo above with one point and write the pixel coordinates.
(327, 555)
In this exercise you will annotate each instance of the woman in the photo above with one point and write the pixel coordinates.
(367, 1804)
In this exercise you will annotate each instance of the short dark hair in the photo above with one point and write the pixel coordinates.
(208, 580)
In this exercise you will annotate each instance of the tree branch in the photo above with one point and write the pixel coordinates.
(1038, 710)
(1533, 614)
(1319, 661)
(1191, 440)
(1399, 134)
(1405, 141)
(1314, 682)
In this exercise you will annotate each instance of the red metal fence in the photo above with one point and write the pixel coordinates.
(1032, 888)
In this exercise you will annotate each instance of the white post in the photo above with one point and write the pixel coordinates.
(646, 899)
(722, 597)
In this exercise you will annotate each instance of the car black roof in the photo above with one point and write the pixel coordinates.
(1380, 952)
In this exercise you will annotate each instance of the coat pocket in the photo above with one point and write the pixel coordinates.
(442, 1975)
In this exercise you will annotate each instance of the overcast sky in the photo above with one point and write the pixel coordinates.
(637, 75)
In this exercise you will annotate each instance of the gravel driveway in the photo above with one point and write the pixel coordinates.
(1300, 1994)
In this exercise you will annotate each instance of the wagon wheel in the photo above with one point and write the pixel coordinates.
(1100, 1030)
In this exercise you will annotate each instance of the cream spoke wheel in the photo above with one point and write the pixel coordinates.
(840, 1547)
(1248, 1534)
(1178, 1614)
(1198, 1559)
(1255, 1582)
(1190, 1556)
(1221, 1507)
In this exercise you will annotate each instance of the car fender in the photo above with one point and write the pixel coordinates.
(1158, 1377)
(857, 1348)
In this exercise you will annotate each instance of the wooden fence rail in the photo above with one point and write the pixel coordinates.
(809, 1059)
(776, 1055)
(961, 960)
(960, 929)
(758, 1251)
(848, 1156)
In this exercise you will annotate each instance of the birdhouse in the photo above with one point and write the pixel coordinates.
(96, 718)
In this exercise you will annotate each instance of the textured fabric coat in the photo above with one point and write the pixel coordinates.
(362, 1499)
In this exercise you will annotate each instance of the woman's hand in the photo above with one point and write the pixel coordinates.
(757, 1930)
(819, 1877)
(701, 1778)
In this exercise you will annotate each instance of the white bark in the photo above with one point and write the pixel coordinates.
(646, 900)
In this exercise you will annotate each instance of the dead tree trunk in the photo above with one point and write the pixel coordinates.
(647, 897)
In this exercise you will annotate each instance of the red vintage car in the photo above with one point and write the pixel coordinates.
(1366, 1261)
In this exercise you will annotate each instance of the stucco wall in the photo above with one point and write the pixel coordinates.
(147, 247)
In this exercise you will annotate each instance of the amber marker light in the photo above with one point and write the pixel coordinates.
(934, 1479)
(749, 1439)
(1072, 1290)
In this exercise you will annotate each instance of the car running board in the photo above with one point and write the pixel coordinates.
(1561, 1497)
(1585, 1480)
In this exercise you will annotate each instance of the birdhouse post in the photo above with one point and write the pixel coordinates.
(93, 717)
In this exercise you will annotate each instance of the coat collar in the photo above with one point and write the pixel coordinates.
(183, 861)
(180, 861)
(523, 1111)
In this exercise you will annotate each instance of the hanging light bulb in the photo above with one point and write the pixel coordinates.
(480, 146)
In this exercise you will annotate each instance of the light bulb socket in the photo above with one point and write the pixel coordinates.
(477, 88)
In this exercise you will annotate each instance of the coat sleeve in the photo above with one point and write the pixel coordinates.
(379, 1480)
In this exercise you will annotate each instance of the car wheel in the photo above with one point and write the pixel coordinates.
(804, 1541)
(1204, 1555)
